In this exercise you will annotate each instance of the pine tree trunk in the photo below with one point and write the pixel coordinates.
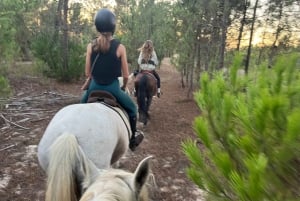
(65, 39)
(58, 19)
(251, 37)
(242, 25)
(278, 31)
(224, 25)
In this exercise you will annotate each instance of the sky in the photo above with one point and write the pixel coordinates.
(257, 40)
(111, 2)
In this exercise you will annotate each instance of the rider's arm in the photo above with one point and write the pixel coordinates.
(88, 60)
(121, 52)
(154, 58)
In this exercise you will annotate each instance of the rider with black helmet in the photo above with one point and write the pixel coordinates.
(110, 62)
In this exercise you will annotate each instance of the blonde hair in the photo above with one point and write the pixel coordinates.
(102, 43)
(147, 50)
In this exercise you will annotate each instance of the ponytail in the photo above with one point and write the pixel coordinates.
(102, 44)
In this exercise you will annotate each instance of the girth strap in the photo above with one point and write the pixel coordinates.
(110, 101)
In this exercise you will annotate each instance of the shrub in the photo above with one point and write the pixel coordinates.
(5, 89)
(49, 50)
(250, 131)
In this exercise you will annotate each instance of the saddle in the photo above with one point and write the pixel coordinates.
(103, 96)
(100, 96)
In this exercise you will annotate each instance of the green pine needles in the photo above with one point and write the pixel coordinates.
(250, 131)
(5, 89)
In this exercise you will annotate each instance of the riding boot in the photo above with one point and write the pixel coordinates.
(137, 136)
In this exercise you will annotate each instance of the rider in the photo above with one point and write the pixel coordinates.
(148, 61)
(110, 63)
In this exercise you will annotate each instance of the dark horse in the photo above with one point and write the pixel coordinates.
(146, 87)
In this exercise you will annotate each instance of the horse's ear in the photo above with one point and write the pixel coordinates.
(141, 173)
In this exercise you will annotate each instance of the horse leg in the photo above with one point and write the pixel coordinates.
(141, 99)
(143, 117)
(148, 103)
(141, 106)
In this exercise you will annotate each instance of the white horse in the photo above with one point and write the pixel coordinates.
(130, 79)
(79, 146)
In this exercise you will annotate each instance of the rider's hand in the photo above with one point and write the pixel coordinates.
(123, 88)
(151, 62)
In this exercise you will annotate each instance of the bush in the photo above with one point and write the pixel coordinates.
(8, 45)
(4, 87)
(250, 130)
(48, 49)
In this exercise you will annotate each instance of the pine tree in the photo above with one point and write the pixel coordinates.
(250, 130)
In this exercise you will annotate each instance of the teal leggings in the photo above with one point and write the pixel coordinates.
(114, 88)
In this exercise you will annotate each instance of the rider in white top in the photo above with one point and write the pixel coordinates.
(148, 61)
(148, 66)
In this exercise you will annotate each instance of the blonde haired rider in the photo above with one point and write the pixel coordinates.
(148, 61)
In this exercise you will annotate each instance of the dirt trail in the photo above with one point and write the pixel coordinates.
(171, 122)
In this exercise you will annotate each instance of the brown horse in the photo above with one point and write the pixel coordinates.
(146, 87)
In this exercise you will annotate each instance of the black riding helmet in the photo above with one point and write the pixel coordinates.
(105, 21)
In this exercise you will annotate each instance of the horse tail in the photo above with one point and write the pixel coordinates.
(142, 92)
(64, 154)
